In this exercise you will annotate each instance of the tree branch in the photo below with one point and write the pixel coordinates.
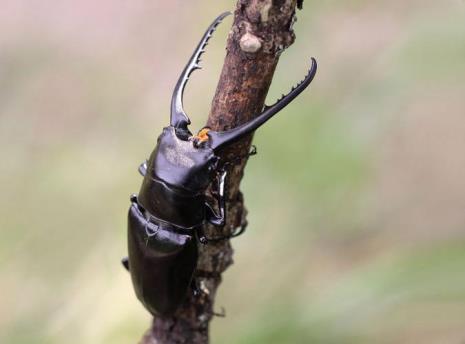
(262, 29)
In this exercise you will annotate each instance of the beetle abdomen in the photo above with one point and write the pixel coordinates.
(161, 261)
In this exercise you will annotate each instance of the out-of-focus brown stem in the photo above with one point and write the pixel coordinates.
(262, 29)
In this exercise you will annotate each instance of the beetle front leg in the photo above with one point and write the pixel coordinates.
(212, 216)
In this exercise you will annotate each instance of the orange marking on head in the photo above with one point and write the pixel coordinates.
(202, 135)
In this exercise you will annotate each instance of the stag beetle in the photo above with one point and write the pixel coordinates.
(166, 218)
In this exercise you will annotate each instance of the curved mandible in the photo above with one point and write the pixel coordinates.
(220, 139)
(179, 118)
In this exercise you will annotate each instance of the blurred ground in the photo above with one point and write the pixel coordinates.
(357, 221)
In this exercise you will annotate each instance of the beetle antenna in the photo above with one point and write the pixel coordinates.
(220, 139)
(179, 118)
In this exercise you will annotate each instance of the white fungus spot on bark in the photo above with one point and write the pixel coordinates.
(250, 43)
(265, 10)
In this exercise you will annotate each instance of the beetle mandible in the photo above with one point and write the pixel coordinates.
(166, 218)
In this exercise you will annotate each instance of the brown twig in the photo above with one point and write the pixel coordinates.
(262, 29)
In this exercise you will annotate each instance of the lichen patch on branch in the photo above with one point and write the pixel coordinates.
(264, 13)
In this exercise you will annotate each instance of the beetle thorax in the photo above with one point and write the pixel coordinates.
(180, 153)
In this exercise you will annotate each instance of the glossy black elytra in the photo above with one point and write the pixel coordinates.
(166, 218)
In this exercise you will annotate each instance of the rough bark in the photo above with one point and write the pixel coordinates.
(262, 29)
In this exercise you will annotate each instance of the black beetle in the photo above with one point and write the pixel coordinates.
(166, 218)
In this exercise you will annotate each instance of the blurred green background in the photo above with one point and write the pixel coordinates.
(357, 217)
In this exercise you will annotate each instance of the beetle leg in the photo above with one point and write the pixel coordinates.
(125, 262)
(223, 138)
(204, 240)
(212, 216)
(234, 234)
(241, 230)
(143, 168)
(179, 118)
(220, 220)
